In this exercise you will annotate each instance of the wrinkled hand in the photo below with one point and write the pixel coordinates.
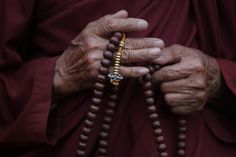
(76, 69)
(188, 78)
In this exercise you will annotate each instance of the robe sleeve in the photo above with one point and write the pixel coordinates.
(25, 84)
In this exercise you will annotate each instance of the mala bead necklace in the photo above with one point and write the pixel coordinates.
(114, 50)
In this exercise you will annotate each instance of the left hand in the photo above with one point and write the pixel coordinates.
(188, 78)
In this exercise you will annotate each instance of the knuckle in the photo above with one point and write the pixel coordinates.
(109, 24)
(126, 56)
(90, 58)
(199, 67)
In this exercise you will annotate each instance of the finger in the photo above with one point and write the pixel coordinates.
(170, 55)
(120, 14)
(179, 99)
(184, 110)
(108, 24)
(140, 55)
(172, 72)
(132, 43)
(133, 72)
(187, 85)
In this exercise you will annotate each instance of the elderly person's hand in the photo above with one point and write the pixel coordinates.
(188, 78)
(76, 69)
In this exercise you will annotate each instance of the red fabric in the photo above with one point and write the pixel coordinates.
(34, 33)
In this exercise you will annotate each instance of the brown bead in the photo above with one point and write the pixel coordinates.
(105, 127)
(156, 124)
(160, 139)
(104, 135)
(101, 78)
(153, 116)
(147, 77)
(82, 145)
(102, 151)
(88, 123)
(91, 116)
(111, 47)
(181, 152)
(151, 109)
(182, 129)
(151, 69)
(80, 153)
(94, 108)
(107, 119)
(147, 85)
(106, 62)
(163, 154)
(96, 101)
(86, 130)
(97, 93)
(158, 132)
(182, 122)
(111, 104)
(99, 86)
(83, 138)
(110, 112)
(117, 35)
(108, 55)
(162, 147)
(181, 144)
(114, 40)
(103, 70)
(182, 136)
(148, 93)
(150, 101)
(103, 143)
(113, 97)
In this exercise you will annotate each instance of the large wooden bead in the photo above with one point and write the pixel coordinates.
(80, 153)
(162, 147)
(150, 101)
(147, 85)
(101, 78)
(97, 94)
(104, 134)
(108, 55)
(114, 40)
(106, 62)
(103, 143)
(103, 70)
(117, 35)
(111, 47)
(83, 138)
(148, 93)
(163, 154)
(99, 86)
(153, 117)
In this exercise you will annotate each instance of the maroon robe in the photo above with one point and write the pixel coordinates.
(33, 33)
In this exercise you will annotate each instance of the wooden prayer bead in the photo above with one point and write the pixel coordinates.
(111, 104)
(101, 78)
(150, 101)
(91, 116)
(164, 154)
(88, 123)
(153, 117)
(111, 47)
(162, 147)
(103, 70)
(105, 127)
(82, 145)
(96, 101)
(159, 139)
(108, 55)
(94, 108)
(158, 132)
(83, 138)
(103, 143)
(114, 40)
(106, 62)
(151, 109)
(156, 124)
(80, 153)
(148, 93)
(97, 93)
(181, 144)
(181, 152)
(99, 86)
(107, 119)
(182, 129)
(182, 136)
(86, 130)
(110, 112)
(148, 85)
(113, 97)
(182, 122)
(118, 35)
(104, 134)
(102, 151)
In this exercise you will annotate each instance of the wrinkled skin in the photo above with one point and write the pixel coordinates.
(187, 78)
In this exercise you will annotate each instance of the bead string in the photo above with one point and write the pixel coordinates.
(116, 43)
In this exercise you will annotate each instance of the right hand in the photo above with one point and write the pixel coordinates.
(76, 69)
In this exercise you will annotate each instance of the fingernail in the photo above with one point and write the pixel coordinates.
(142, 24)
(143, 71)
